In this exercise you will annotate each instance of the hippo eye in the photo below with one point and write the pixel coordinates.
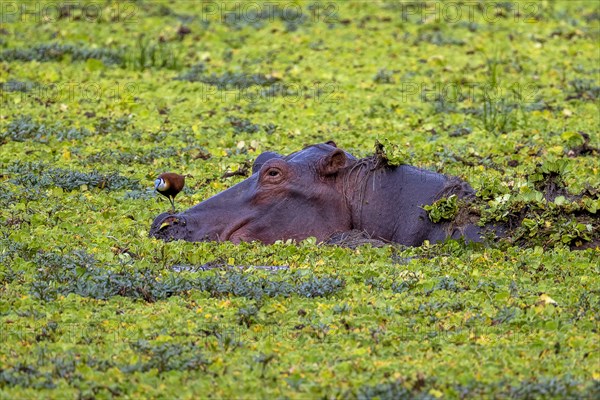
(273, 175)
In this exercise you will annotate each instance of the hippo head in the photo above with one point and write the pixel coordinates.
(291, 197)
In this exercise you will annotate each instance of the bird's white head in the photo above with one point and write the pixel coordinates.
(160, 184)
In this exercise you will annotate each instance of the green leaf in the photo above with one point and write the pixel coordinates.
(93, 65)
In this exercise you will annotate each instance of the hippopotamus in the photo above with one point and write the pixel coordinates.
(320, 191)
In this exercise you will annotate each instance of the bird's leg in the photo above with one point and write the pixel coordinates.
(172, 203)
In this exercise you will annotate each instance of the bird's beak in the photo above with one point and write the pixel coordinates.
(157, 184)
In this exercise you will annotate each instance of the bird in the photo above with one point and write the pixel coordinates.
(169, 184)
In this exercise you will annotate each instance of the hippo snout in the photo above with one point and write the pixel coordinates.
(168, 226)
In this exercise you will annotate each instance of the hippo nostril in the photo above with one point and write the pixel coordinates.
(167, 226)
(166, 223)
(170, 221)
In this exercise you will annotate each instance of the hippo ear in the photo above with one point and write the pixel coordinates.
(331, 143)
(332, 162)
(263, 158)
